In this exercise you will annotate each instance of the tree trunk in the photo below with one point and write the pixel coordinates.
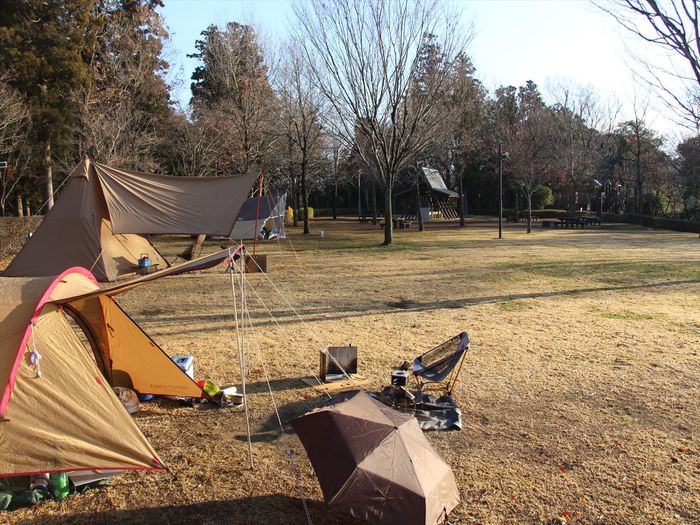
(375, 220)
(640, 200)
(359, 196)
(305, 199)
(27, 209)
(335, 196)
(529, 213)
(20, 207)
(421, 227)
(48, 180)
(196, 247)
(295, 203)
(461, 199)
(388, 218)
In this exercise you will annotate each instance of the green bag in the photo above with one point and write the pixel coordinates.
(5, 500)
(30, 497)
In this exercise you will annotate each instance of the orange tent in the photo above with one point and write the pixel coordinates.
(58, 412)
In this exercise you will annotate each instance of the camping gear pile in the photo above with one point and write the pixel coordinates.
(25, 491)
(436, 369)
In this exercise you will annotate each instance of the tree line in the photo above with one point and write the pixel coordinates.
(362, 95)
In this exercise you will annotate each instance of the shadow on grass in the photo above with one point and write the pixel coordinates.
(269, 431)
(260, 509)
(330, 313)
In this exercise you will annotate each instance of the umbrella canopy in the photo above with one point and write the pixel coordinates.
(376, 464)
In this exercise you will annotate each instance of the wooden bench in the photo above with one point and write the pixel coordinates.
(592, 220)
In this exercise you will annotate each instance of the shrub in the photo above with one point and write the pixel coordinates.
(542, 198)
(300, 214)
(680, 225)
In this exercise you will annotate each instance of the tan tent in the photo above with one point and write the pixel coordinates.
(97, 221)
(58, 415)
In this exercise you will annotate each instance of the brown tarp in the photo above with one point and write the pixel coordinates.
(376, 464)
(67, 418)
(97, 220)
(145, 203)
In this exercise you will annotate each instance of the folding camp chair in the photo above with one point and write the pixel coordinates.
(441, 364)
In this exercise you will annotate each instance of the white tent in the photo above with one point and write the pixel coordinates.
(269, 211)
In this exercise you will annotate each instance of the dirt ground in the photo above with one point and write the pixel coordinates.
(579, 395)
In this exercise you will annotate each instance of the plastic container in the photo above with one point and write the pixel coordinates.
(59, 485)
(39, 481)
(144, 261)
(186, 364)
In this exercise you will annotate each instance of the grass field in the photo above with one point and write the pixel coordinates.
(579, 396)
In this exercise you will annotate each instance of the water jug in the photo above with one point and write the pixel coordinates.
(59, 485)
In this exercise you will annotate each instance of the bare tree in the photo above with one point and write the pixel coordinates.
(302, 105)
(15, 119)
(639, 147)
(672, 26)
(362, 55)
(194, 147)
(584, 127)
(464, 120)
(528, 134)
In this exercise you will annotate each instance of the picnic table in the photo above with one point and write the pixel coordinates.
(571, 222)
(400, 223)
(522, 216)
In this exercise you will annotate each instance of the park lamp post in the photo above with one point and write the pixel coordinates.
(501, 155)
(602, 187)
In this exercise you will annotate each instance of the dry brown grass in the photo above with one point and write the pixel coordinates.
(580, 394)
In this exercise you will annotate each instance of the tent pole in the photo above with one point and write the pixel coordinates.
(239, 341)
(257, 211)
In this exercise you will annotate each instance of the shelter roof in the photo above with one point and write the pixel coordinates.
(434, 179)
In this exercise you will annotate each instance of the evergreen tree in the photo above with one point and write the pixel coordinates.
(45, 44)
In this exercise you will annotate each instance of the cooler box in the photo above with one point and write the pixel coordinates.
(186, 364)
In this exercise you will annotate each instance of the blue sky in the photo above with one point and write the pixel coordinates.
(515, 41)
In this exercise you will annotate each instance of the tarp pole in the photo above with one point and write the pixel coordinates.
(239, 340)
(257, 211)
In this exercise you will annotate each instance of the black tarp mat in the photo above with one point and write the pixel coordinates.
(432, 412)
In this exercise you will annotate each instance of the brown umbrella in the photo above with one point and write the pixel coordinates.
(376, 464)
